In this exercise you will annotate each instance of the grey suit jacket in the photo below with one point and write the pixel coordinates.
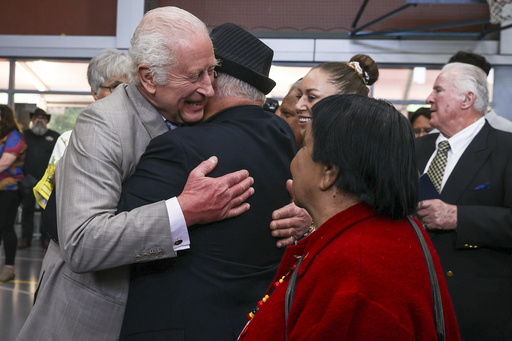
(83, 283)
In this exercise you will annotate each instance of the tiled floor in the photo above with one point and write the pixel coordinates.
(16, 296)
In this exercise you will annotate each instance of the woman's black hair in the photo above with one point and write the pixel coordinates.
(373, 146)
(423, 111)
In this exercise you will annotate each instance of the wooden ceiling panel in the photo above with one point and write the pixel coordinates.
(330, 15)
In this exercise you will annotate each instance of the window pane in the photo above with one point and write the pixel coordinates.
(4, 74)
(44, 75)
(63, 108)
(285, 77)
(63, 118)
(405, 84)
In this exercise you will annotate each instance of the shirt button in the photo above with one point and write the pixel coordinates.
(178, 242)
(138, 258)
(449, 273)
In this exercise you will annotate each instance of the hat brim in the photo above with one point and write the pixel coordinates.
(256, 79)
(48, 117)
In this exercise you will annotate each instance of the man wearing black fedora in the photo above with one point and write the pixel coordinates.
(40, 142)
(206, 292)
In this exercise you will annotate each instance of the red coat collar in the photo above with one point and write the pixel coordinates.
(313, 245)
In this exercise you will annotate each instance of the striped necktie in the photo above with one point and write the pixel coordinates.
(436, 170)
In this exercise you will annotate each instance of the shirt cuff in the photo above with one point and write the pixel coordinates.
(179, 231)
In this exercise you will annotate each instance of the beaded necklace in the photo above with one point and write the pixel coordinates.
(271, 290)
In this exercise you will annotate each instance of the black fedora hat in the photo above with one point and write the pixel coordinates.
(40, 112)
(243, 56)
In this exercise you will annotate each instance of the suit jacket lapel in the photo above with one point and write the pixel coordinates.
(474, 157)
(425, 147)
(149, 116)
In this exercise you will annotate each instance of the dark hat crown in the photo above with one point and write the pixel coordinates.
(39, 112)
(243, 56)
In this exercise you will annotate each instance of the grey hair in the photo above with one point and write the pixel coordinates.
(106, 65)
(229, 86)
(295, 85)
(155, 38)
(471, 79)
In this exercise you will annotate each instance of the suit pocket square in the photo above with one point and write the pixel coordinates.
(483, 186)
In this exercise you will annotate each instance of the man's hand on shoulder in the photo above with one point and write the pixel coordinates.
(205, 200)
(290, 222)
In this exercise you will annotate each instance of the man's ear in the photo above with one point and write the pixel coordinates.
(469, 100)
(329, 175)
(146, 79)
(94, 94)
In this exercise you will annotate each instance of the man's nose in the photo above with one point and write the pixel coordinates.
(206, 87)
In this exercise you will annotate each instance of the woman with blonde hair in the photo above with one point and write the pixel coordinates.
(335, 78)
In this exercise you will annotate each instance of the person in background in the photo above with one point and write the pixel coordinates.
(288, 112)
(231, 261)
(495, 120)
(323, 80)
(420, 121)
(356, 176)
(84, 278)
(271, 105)
(12, 151)
(40, 143)
(469, 214)
(105, 72)
(333, 78)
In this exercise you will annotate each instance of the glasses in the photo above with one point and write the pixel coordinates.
(40, 117)
(111, 87)
(422, 130)
(196, 77)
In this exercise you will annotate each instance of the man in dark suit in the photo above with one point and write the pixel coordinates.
(206, 292)
(470, 224)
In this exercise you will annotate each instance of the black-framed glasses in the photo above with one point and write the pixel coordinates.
(112, 87)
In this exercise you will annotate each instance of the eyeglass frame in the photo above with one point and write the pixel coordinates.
(112, 87)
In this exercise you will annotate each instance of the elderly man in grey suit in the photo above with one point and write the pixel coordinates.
(84, 279)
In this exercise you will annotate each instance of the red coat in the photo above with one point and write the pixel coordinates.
(364, 277)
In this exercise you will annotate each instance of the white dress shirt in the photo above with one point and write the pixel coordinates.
(458, 144)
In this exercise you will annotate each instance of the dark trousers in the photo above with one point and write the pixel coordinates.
(9, 202)
(27, 217)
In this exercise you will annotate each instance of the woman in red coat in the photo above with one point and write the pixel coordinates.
(363, 275)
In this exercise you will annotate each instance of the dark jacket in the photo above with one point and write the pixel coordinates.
(206, 291)
(39, 150)
(477, 256)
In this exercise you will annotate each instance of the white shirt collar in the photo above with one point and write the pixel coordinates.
(458, 144)
(463, 138)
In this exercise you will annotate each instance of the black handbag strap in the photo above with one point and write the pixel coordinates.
(288, 298)
(434, 284)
